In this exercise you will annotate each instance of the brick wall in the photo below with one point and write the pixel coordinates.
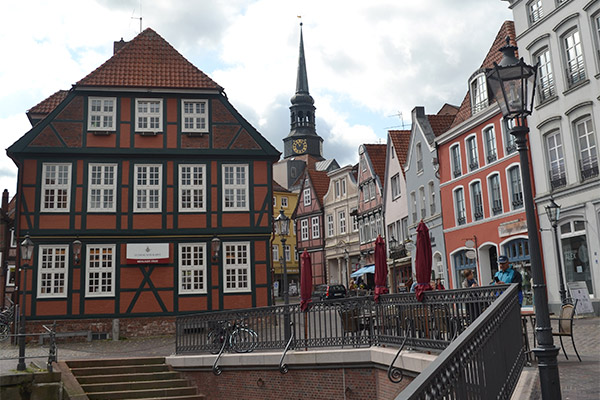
(322, 384)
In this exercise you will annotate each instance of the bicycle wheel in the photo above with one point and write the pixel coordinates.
(215, 340)
(4, 331)
(243, 340)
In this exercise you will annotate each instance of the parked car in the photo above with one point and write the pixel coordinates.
(328, 292)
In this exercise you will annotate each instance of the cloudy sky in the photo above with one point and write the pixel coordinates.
(369, 62)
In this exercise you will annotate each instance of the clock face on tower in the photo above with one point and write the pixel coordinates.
(299, 146)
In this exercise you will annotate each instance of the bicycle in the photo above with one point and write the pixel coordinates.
(6, 319)
(232, 335)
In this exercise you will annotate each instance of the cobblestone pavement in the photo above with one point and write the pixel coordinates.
(578, 380)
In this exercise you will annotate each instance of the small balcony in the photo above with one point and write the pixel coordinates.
(511, 148)
(575, 72)
(558, 178)
(492, 156)
(473, 165)
(588, 167)
(457, 172)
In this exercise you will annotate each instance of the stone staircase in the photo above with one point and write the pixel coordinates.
(131, 378)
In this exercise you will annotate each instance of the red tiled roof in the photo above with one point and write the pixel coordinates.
(440, 123)
(46, 106)
(493, 55)
(149, 61)
(401, 141)
(376, 154)
(320, 181)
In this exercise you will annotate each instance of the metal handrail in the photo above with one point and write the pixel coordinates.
(283, 368)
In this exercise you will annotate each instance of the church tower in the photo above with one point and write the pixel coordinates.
(303, 138)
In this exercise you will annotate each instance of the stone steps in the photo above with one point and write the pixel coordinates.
(129, 379)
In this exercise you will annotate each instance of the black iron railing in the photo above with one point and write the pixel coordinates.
(354, 321)
(481, 363)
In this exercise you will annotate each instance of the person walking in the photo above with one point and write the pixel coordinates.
(508, 275)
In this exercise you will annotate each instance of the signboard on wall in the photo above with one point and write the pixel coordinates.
(147, 253)
(579, 292)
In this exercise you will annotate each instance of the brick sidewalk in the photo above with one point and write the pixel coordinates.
(578, 380)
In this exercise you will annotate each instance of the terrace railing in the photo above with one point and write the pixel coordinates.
(353, 321)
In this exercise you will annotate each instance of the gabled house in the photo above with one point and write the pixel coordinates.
(308, 219)
(564, 38)
(165, 185)
(341, 228)
(481, 185)
(371, 177)
(8, 250)
(422, 181)
(396, 210)
(285, 200)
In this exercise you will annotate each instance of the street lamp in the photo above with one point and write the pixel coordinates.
(215, 246)
(282, 228)
(553, 213)
(512, 83)
(26, 253)
(77, 251)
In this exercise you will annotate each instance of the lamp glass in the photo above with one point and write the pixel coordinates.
(77, 248)
(215, 245)
(282, 224)
(553, 211)
(393, 243)
(27, 248)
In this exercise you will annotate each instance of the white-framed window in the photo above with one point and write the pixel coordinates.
(102, 187)
(413, 206)
(56, 187)
(274, 202)
(459, 206)
(419, 152)
(535, 11)
(342, 221)
(516, 188)
(192, 187)
(556, 160)
(102, 113)
(275, 252)
(479, 96)
(432, 205)
(314, 222)
(372, 189)
(330, 228)
(148, 187)
(13, 238)
(546, 87)
(10, 275)
(366, 194)
(472, 157)
(100, 270)
(395, 186)
(476, 200)
(596, 29)
(236, 270)
(296, 255)
(306, 195)
(489, 138)
(53, 271)
(235, 187)
(337, 188)
(344, 187)
(148, 115)
(304, 229)
(192, 268)
(354, 220)
(455, 160)
(287, 251)
(495, 194)
(510, 145)
(574, 57)
(422, 202)
(586, 144)
(194, 115)
(284, 202)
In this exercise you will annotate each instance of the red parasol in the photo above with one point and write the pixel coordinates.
(305, 281)
(381, 271)
(423, 260)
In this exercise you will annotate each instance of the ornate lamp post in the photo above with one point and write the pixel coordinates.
(553, 213)
(282, 228)
(512, 83)
(26, 254)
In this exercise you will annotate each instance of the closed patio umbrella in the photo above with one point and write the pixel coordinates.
(423, 260)
(305, 281)
(381, 271)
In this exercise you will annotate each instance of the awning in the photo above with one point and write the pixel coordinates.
(367, 269)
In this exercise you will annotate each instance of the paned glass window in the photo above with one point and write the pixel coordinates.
(330, 229)
(495, 194)
(53, 271)
(192, 187)
(102, 113)
(557, 172)
(237, 267)
(316, 233)
(148, 115)
(455, 159)
(477, 201)
(479, 96)
(195, 115)
(489, 136)
(472, 153)
(56, 187)
(342, 221)
(235, 187)
(395, 186)
(102, 187)
(192, 268)
(148, 185)
(546, 87)
(100, 276)
(574, 58)
(459, 206)
(516, 189)
(588, 153)
(304, 229)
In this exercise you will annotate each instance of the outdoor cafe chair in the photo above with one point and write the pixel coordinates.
(565, 324)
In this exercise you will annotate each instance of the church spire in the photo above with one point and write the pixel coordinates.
(303, 138)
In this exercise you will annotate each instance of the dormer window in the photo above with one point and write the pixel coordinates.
(148, 115)
(101, 113)
(479, 96)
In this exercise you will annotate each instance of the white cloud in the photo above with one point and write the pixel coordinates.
(365, 59)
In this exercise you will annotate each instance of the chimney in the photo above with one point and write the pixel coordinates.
(118, 45)
(5, 200)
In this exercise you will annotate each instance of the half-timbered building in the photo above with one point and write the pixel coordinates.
(166, 186)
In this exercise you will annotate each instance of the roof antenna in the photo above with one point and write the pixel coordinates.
(140, 17)
(402, 124)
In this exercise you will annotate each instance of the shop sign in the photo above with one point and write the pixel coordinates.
(147, 253)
